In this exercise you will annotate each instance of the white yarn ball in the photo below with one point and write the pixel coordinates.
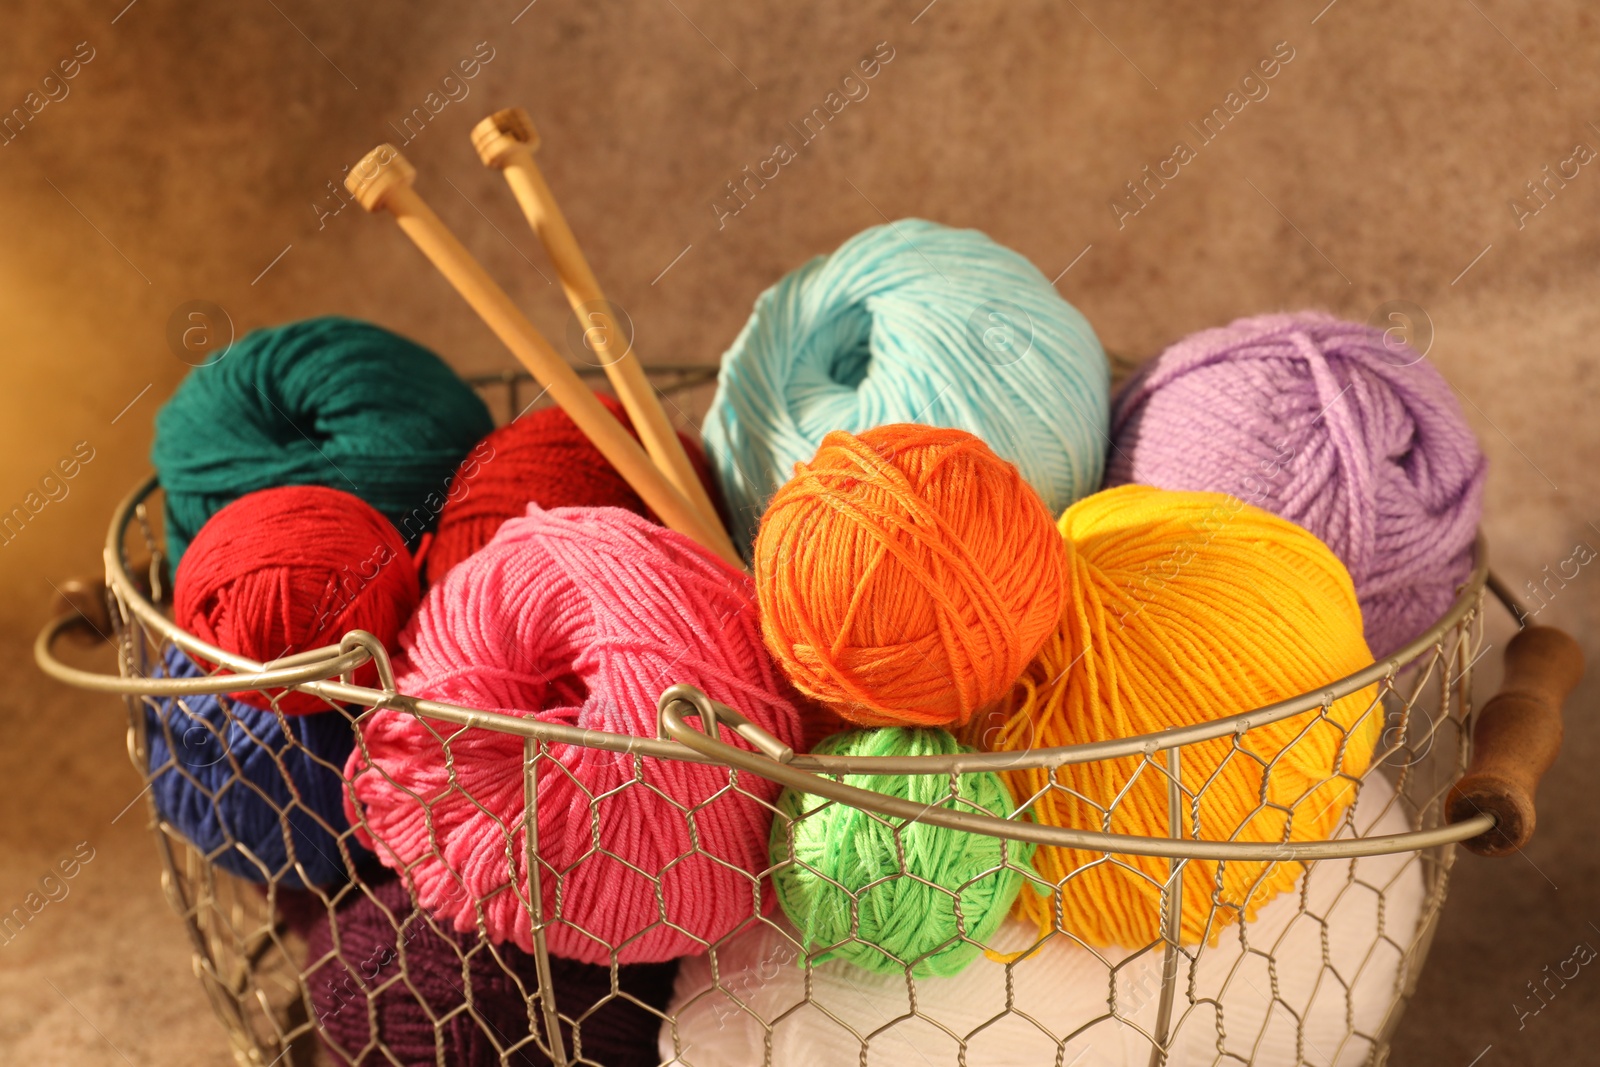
(1265, 991)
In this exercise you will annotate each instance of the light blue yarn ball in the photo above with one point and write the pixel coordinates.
(911, 322)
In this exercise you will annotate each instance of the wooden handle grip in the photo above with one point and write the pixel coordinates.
(1517, 739)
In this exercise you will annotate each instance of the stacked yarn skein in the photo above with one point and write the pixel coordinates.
(889, 895)
(1332, 425)
(291, 569)
(907, 575)
(1311, 980)
(259, 794)
(1184, 608)
(910, 322)
(541, 458)
(328, 401)
(389, 985)
(577, 616)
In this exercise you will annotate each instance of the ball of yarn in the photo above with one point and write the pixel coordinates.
(911, 322)
(1311, 980)
(539, 458)
(389, 986)
(1332, 425)
(579, 616)
(890, 895)
(907, 575)
(287, 570)
(327, 401)
(259, 794)
(1184, 608)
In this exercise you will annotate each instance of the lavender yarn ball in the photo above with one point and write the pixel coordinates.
(1332, 425)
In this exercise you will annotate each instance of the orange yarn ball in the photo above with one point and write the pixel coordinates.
(907, 575)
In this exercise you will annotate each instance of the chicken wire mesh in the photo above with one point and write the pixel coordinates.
(1321, 976)
(1300, 988)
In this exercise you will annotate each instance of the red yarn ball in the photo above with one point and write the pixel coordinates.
(380, 973)
(285, 570)
(540, 458)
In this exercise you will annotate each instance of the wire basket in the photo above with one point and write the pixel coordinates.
(1289, 995)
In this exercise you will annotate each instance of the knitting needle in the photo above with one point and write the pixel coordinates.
(383, 181)
(507, 140)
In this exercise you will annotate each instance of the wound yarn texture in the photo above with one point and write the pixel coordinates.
(328, 401)
(1336, 427)
(287, 570)
(354, 976)
(258, 794)
(890, 895)
(907, 575)
(538, 458)
(910, 322)
(578, 616)
(1184, 608)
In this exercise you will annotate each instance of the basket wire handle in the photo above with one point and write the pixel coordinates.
(711, 714)
(315, 665)
(368, 642)
(682, 700)
(1516, 739)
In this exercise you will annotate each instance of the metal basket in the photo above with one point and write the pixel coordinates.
(252, 963)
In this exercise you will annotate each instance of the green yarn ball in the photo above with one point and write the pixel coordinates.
(329, 401)
(886, 894)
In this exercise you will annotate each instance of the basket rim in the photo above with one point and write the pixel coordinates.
(318, 672)
(679, 741)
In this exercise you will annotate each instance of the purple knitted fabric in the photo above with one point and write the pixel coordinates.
(393, 988)
(1331, 425)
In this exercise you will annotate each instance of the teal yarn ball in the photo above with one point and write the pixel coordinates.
(911, 322)
(886, 894)
(329, 401)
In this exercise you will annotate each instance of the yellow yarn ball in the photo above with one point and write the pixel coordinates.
(1184, 608)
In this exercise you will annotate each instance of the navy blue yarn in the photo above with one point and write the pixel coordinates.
(217, 779)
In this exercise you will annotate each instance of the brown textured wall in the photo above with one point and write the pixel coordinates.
(195, 143)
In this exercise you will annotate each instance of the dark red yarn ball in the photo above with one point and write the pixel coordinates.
(285, 570)
(541, 458)
(362, 1003)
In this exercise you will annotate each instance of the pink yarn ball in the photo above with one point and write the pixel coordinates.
(579, 616)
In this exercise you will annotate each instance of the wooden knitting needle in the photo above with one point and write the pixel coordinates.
(507, 140)
(383, 180)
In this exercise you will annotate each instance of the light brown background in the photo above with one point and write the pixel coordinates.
(192, 148)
